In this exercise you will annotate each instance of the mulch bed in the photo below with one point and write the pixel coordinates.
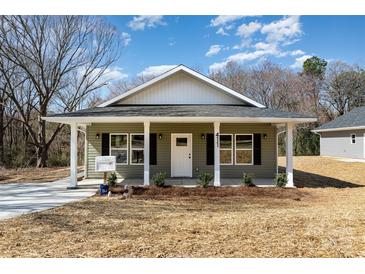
(178, 191)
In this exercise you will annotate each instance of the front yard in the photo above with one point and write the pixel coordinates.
(28, 175)
(317, 220)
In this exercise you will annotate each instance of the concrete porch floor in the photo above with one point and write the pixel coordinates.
(186, 182)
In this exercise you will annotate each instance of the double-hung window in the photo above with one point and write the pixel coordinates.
(137, 149)
(226, 149)
(119, 147)
(244, 149)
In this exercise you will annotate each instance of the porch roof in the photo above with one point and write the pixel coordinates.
(175, 111)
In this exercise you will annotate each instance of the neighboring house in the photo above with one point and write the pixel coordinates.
(344, 136)
(182, 123)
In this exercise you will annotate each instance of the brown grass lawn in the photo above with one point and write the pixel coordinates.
(256, 222)
(27, 175)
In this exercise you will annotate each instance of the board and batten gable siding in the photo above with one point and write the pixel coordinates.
(338, 144)
(267, 169)
(180, 88)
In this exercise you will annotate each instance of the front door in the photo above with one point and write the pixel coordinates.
(181, 155)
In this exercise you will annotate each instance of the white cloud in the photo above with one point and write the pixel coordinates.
(283, 30)
(126, 38)
(297, 52)
(246, 30)
(221, 31)
(155, 70)
(223, 20)
(242, 57)
(144, 21)
(213, 50)
(113, 74)
(299, 61)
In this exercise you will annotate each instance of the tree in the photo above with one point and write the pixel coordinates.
(344, 88)
(315, 67)
(62, 59)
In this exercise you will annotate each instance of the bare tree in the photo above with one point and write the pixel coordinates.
(62, 58)
(344, 88)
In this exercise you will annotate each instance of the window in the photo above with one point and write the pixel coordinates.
(244, 149)
(226, 148)
(119, 147)
(181, 142)
(353, 138)
(137, 149)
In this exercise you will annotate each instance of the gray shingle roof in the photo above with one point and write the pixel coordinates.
(354, 118)
(182, 111)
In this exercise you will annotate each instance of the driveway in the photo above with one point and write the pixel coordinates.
(22, 198)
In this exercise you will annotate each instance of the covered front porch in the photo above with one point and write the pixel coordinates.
(167, 134)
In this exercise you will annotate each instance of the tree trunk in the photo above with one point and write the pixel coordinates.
(42, 149)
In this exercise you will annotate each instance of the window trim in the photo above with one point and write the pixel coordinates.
(231, 149)
(237, 149)
(353, 134)
(131, 149)
(110, 147)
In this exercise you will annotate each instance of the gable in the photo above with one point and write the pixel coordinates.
(180, 88)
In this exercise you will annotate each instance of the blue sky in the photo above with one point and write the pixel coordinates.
(155, 43)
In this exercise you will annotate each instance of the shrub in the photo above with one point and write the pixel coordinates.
(204, 179)
(159, 179)
(112, 180)
(247, 180)
(281, 180)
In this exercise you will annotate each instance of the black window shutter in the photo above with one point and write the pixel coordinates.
(257, 149)
(210, 149)
(105, 144)
(153, 149)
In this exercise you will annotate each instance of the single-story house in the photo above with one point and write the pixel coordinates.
(182, 123)
(344, 136)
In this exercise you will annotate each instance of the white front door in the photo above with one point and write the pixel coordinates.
(181, 155)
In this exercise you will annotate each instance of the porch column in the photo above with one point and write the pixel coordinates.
(217, 165)
(73, 157)
(146, 160)
(289, 154)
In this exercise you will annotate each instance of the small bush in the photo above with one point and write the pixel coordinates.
(204, 179)
(247, 180)
(281, 180)
(112, 180)
(159, 179)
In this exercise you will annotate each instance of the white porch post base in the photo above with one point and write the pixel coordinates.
(289, 154)
(217, 166)
(73, 157)
(146, 176)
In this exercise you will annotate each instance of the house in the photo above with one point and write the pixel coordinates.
(182, 123)
(344, 136)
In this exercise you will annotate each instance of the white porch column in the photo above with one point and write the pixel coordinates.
(146, 160)
(289, 154)
(217, 165)
(73, 157)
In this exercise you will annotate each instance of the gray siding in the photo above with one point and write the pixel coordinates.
(338, 144)
(267, 168)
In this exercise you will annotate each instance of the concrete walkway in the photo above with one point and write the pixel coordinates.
(22, 198)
